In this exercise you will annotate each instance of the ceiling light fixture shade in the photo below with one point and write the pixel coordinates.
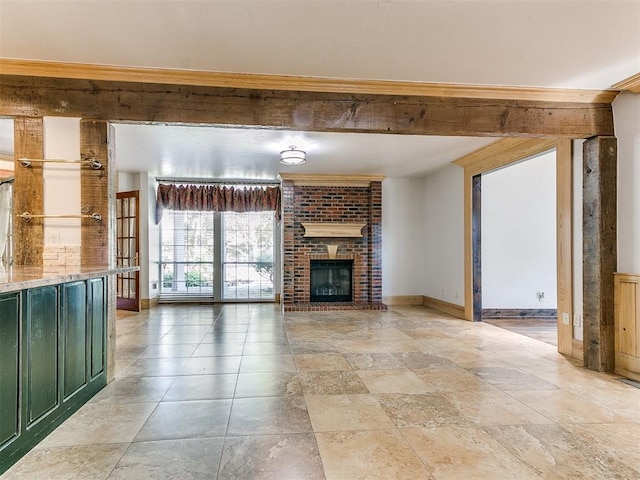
(293, 156)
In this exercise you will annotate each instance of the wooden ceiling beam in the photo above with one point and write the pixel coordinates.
(301, 110)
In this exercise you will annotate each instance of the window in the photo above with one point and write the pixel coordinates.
(228, 256)
(187, 254)
(247, 259)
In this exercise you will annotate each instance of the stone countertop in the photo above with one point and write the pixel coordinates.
(16, 278)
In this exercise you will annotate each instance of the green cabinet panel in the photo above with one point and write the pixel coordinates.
(97, 315)
(42, 342)
(9, 367)
(74, 328)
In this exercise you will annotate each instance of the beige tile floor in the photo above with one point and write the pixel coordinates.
(243, 392)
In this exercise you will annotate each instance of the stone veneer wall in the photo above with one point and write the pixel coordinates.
(331, 204)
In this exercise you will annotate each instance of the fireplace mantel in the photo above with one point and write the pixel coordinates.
(333, 229)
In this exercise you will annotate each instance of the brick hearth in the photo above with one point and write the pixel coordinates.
(352, 204)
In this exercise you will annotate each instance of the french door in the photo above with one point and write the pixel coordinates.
(127, 250)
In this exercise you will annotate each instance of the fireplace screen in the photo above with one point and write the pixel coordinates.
(331, 280)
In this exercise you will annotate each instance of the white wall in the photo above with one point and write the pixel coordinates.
(626, 111)
(519, 235)
(402, 242)
(61, 181)
(443, 235)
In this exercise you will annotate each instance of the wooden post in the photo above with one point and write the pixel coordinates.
(28, 191)
(98, 194)
(97, 188)
(599, 251)
(564, 239)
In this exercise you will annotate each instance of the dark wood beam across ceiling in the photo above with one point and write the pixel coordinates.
(302, 110)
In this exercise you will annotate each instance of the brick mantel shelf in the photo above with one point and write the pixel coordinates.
(333, 229)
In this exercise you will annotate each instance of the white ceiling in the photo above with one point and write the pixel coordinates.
(552, 43)
(235, 153)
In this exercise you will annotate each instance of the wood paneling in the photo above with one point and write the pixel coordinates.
(599, 251)
(39, 68)
(564, 243)
(28, 191)
(627, 325)
(299, 110)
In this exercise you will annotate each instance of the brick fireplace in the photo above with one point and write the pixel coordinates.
(337, 201)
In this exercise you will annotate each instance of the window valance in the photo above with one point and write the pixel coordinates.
(217, 198)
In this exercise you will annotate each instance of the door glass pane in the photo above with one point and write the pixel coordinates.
(186, 256)
(248, 254)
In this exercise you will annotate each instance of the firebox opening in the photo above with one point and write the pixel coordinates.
(331, 280)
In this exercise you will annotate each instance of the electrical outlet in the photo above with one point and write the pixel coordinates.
(565, 318)
(577, 320)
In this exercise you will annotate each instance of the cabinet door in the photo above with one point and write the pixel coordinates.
(9, 367)
(42, 381)
(97, 317)
(74, 328)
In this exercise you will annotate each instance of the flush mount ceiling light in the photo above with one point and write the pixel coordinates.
(293, 156)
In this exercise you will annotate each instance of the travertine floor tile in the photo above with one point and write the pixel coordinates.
(565, 407)
(346, 412)
(393, 381)
(171, 420)
(89, 462)
(100, 424)
(369, 455)
(428, 410)
(321, 362)
(271, 457)
(555, 453)
(190, 459)
(269, 415)
(461, 453)
(331, 383)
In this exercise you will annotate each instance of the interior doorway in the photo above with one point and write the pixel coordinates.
(518, 252)
(128, 250)
(479, 163)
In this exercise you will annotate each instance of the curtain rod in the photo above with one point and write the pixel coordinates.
(231, 181)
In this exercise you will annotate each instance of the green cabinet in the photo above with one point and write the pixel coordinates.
(52, 359)
(9, 368)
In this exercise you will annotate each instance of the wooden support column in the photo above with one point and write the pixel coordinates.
(564, 239)
(98, 194)
(28, 191)
(599, 251)
(97, 187)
